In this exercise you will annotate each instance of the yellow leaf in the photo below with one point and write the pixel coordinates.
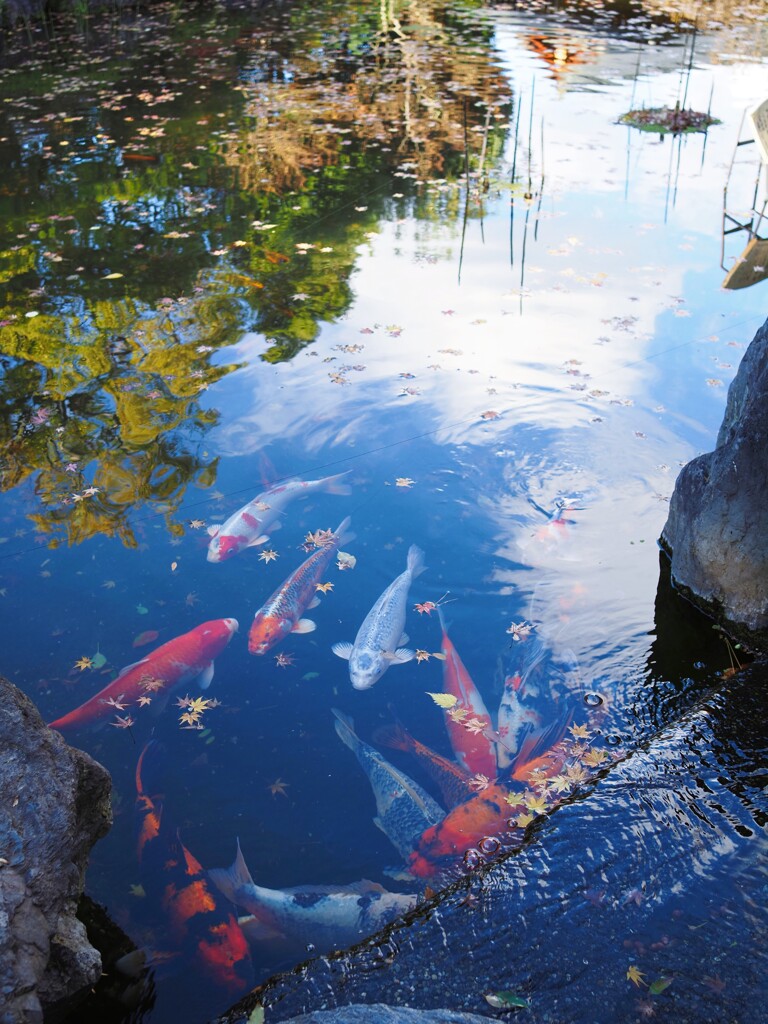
(112, 277)
(634, 975)
(443, 700)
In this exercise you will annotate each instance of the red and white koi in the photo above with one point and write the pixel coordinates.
(282, 613)
(250, 525)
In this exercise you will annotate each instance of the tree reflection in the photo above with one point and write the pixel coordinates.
(138, 238)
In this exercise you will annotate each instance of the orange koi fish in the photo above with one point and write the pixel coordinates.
(452, 780)
(179, 662)
(206, 934)
(474, 750)
(282, 612)
(486, 814)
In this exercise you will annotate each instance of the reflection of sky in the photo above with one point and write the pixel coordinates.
(597, 368)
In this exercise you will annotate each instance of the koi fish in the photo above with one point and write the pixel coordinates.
(282, 613)
(251, 524)
(330, 917)
(375, 647)
(513, 720)
(404, 809)
(475, 750)
(179, 662)
(198, 925)
(452, 780)
(541, 752)
(486, 814)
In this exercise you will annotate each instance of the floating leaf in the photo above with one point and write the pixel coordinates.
(659, 985)
(146, 637)
(98, 660)
(507, 1001)
(257, 1015)
(112, 277)
(141, 609)
(443, 700)
(634, 975)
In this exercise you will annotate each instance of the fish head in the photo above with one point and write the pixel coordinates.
(365, 669)
(222, 953)
(215, 635)
(266, 631)
(224, 546)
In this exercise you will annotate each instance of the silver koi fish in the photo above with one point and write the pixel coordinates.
(327, 916)
(251, 524)
(376, 644)
(405, 810)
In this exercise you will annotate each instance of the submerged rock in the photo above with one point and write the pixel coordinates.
(54, 805)
(378, 1013)
(717, 531)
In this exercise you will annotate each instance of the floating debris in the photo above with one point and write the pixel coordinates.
(668, 119)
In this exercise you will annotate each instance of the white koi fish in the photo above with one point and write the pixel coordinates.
(376, 644)
(251, 524)
(328, 916)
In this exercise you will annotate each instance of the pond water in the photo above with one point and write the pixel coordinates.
(405, 243)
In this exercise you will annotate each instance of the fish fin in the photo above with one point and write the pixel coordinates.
(395, 736)
(261, 539)
(334, 484)
(415, 564)
(276, 525)
(343, 649)
(402, 655)
(314, 602)
(399, 874)
(213, 529)
(363, 886)
(342, 534)
(304, 626)
(230, 880)
(538, 742)
(404, 639)
(345, 729)
(256, 930)
(378, 823)
(203, 679)
(133, 964)
(129, 668)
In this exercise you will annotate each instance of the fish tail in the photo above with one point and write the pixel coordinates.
(232, 879)
(415, 563)
(537, 743)
(395, 736)
(336, 484)
(441, 619)
(342, 532)
(150, 769)
(345, 730)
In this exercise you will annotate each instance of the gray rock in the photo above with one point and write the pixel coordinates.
(54, 805)
(717, 531)
(378, 1013)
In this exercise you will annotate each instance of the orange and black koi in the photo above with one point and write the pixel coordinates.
(199, 926)
(452, 780)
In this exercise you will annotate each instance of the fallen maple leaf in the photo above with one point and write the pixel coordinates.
(635, 976)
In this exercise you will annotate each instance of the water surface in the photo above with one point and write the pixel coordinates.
(240, 246)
